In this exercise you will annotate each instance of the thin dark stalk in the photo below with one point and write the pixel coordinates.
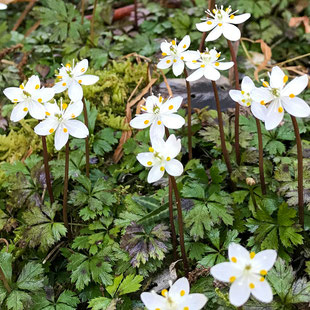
(136, 14)
(65, 198)
(261, 157)
(82, 11)
(300, 173)
(86, 139)
(189, 116)
(237, 108)
(47, 170)
(171, 218)
(211, 6)
(180, 222)
(5, 281)
(221, 128)
(93, 22)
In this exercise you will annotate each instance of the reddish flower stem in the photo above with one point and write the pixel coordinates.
(93, 22)
(300, 173)
(261, 156)
(189, 116)
(47, 170)
(86, 139)
(65, 197)
(211, 6)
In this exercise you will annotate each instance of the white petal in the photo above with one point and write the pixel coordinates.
(238, 252)
(75, 91)
(258, 110)
(178, 286)
(296, 106)
(155, 174)
(261, 94)
(215, 34)
(61, 138)
(18, 112)
(174, 167)
(153, 301)
(193, 65)
(158, 143)
(184, 44)
(193, 302)
(296, 86)
(178, 67)
(157, 130)
(190, 55)
(231, 32)
(196, 75)
(165, 63)
(146, 159)
(171, 105)
(87, 79)
(172, 121)
(273, 116)
(80, 68)
(165, 47)
(44, 127)
(211, 73)
(247, 85)
(45, 94)
(277, 78)
(59, 87)
(73, 110)
(204, 26)
(172, 146)
(36, 110)
(52, 108)
(240, 18)
(262, 291)
(236, 96)
(142, 121)
(14, 94)
(264, 260)
(239, 292)
(76, 128)
(33, 84)
(3, 6)
(224, 271)
(224, 65)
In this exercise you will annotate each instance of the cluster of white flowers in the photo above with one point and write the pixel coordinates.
(56, 117)
(278, 95)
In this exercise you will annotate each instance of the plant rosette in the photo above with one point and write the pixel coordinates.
(175, 55)
(246, 271)
(245, 99)
(62, 122)
(178, 297)
(282, 96)
(222, 21)
(207, 64)
(72, 78)
(161, 158)
(29, 98)
(158, 113)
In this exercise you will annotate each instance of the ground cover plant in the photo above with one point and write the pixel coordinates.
(117, 192)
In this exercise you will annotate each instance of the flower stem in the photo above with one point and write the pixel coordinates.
(300, 173)
(65, 198)
(82, 11)
(189, 116)
(47, 170)
(180, 222)
(211, 6)
(86, 139)
(221, 128)
(261, 156)
(136, 14)
(93, 22)
(5, 281)
(237, 108)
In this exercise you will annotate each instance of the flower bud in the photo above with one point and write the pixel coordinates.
(250, 181)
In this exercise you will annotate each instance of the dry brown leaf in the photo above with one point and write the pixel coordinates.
(296, 21)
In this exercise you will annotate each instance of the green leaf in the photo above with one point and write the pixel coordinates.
(130, 284)
(111, 289)
(67, 300)
(18, 300)
(100, 303)
(31, 277)
(6, 264)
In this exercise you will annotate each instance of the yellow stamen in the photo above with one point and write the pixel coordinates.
(80, 81)
(174, 60)
(232, 279)
(64, 106)
(157, 309)
(164, 292)
(265, 84)
(182, 58)
(151, 149)
(51, 130)
(214, 11)
(262, 102)
(248, 104)
(209, 22)
(149, 163)
(25, 109)
(40, 100)
(243, 100)
(263, 272)
(72, 116)
(252, 255)
(68, 65)
(15, 100)
(194, 60)
(47, 113)
(280, 109)
(159, 122)
(220, 24)
(262, 279)
(185, 308)
(182, 293)
(170, 107)
(202, 66)
(59, 77)
(292, 95)
(252, 286)
(21, 86)
(242, 92)
(64, 84)
(168, 158)
(168, 61)
(83, 70)
(162, 168)
(65, 130)
(285, 78)
(232, 16)
(37, 86)
(160, 99)
(173, 42)
(184, 46)
(234, 259)
(146, 121)
(164, 54)
(218, 55)
(217, 64)
(144, 108)
(227, 9)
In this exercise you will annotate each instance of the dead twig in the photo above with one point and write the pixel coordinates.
(24, 14)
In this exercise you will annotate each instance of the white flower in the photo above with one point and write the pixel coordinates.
(282, 97)
(246, 271)
(207, 65)
(72, 79)
(175, 55)
(178, 298)
(161, 157)
(29, 98)
(62, 122)
(159, 114)
(221, 21)
(244, 98)
(3, 6)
